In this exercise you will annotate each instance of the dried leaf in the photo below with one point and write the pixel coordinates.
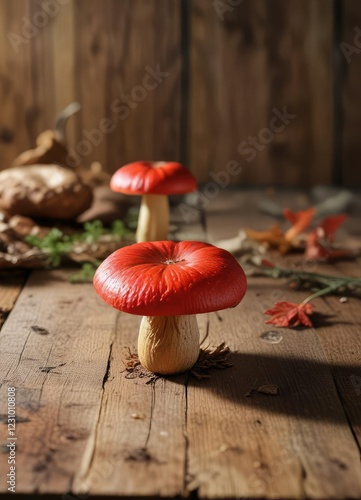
(320, 241)
(290, 314)
(300, 221)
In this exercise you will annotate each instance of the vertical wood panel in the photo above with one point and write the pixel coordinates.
(16, 113)
(93, 52)
(351, 96)
(263, 55)
(144, 34)
(91, 41)
(114, 42)
(65, 71)
(43, 60)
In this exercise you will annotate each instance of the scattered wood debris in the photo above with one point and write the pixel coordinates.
(209, 358)
(269, 389)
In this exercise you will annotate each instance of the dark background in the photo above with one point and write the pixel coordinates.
(230, 63)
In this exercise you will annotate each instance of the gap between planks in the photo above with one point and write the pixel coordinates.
(11, 284)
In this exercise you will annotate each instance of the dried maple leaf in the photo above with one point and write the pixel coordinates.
(290, 314)
(274, 237)
(284, 241)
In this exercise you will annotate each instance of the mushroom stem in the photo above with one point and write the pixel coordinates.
(168, 344)
(153, 221)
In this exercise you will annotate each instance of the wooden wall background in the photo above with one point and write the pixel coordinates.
(225, 78)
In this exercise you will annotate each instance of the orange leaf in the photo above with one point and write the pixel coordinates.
(300, 221)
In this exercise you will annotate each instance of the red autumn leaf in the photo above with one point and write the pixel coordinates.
(320, 240)
(331, 224)
(290, 314)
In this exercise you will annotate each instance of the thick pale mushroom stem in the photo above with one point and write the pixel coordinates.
(153, 221)
(168, 344)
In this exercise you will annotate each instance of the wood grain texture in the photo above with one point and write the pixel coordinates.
(144, 36)
(295, 444)
(11, 285)
(283, 446)
(55, 353)
(261, 57)
(245, 61)
(140, 431)
(85, 426)
(18, 111)
(341, 345)
(63, 32)
(351, 54)
(98, 54)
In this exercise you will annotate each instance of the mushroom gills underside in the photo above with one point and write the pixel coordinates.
(168, 344)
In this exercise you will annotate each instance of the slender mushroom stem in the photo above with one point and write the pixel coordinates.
(153, 221)
(168, 344)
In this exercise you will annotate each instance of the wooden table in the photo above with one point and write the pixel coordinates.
(84, 427)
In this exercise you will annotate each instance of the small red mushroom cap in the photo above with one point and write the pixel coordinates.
(146, 177)
(165, 278)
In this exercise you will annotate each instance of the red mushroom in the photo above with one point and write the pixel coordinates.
(169, 283)
(154, 181)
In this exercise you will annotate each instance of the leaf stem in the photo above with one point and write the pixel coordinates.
(279, 272)
(324, 291)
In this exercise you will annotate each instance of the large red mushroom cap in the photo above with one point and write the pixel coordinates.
(165, 278)
(146, 177)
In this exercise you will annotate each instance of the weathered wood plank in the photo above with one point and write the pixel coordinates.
(55, 352)
(11, 285)
(140, 432)
(17, 111)
(341, 344)
(247, 59)
(295, 444)
(64, 59)
(42, 62)
(144, 38)
(91, 429)
(99, 54)
(84, 426)
(141, 111)
(350, 53)
(286, 446)
(92, 40)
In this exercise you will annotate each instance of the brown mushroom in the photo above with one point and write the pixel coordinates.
(48, 150)
(51, 145)
(49, 191)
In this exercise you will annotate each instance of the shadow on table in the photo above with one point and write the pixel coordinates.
(305, 388)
